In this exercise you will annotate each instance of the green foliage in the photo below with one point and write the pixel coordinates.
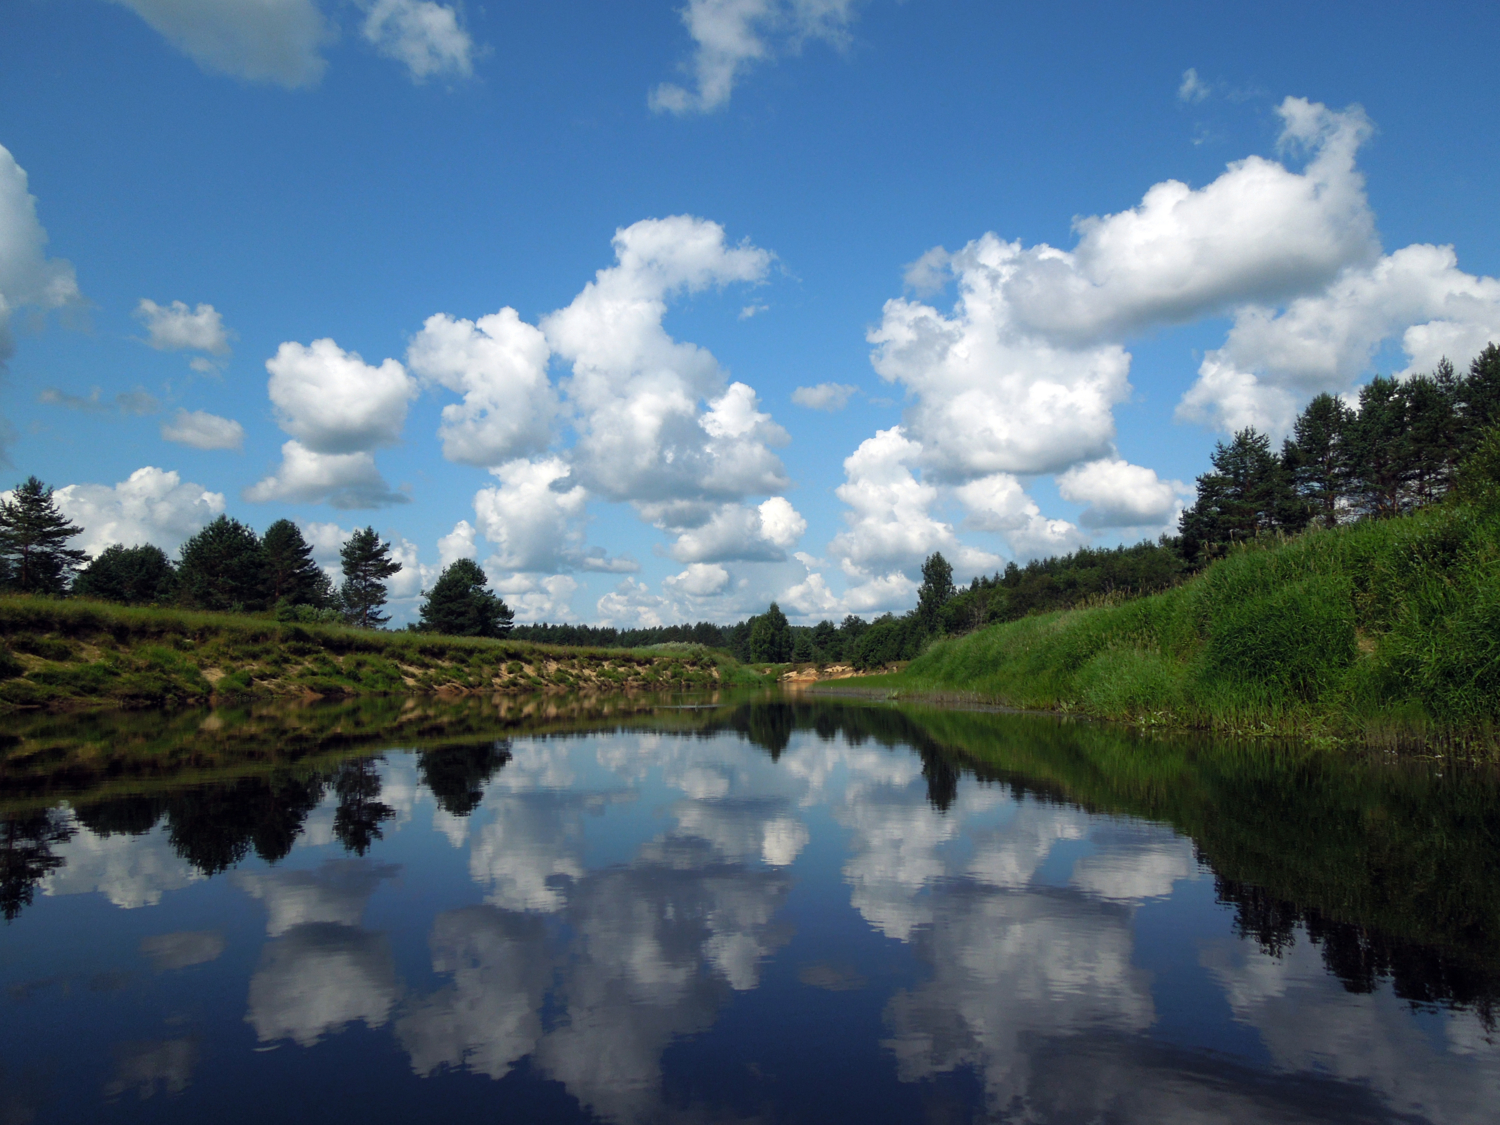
(1383, 630)
(935, 592)
(292, 577)
(770, 637)
(460, 604)
(367, 564)
(222, 567)
(140, 575)
(34, 555)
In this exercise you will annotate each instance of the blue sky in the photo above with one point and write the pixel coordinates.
(1156, 226)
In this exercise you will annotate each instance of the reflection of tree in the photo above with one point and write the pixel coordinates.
(456, 774)
(120, 816)
(1361, 957)
(214, 827)
(26, 844)
(357, 820)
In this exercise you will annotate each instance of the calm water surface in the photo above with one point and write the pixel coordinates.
(770, 911)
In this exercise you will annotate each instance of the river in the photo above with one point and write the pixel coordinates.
(704, 910)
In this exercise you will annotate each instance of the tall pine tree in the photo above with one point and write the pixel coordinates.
(461, 604)
(291, 573)
(223, 567)
(367, 564)
(33, 541)
(1314, 456)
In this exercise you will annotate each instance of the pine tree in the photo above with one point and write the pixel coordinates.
(1314, 456)
(1433, 445)
(291, 574)
(461, 604)
(936, 590)
(1248, 492)
(1479, 392)
(367, 564)
(139, 575)
(223, 567)
(1379, 449)
(33, 541)
(771, 637)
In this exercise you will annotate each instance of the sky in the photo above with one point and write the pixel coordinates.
(661, 311)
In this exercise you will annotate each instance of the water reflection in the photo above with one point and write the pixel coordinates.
(1052, 922)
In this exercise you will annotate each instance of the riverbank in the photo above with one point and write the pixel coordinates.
(69, 654)
(1385, 633)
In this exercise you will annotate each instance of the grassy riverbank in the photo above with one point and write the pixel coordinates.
(56, 653)
(1386, 632)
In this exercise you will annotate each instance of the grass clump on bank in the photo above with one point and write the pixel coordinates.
(1384, 631)
(56, 653)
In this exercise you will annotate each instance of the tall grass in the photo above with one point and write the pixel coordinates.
(1386, 631)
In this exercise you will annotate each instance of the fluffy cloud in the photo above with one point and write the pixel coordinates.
(457, 544)
(332, 401)
(338, 408)
(152, 506)
(890, 523)
(739, 533)
(534, 517)
(643, 435)
(824, 396)
(176, 327)
(499, 365)
(699, 580)
(262, 40)
(631, 604)
(1119, 494)
(1274, 360)
(203, 430)
(998, 503)
(534, 597)
(731, 35)
(344, 480)
(28, 278)
(427, 37)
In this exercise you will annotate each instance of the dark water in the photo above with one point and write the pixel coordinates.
(757, 911)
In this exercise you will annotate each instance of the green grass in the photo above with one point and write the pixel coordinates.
(1385, 632)
(71, 653)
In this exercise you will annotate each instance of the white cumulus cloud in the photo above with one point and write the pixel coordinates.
(699, 580)
(428, 38)
(176, 327)
(737, 532)
(152, 506)
(1119, 494)
(457, 544)
(261, 40)
(202, 430)
(534, 516)
(638, 395)
(499, 365)
(344, 480)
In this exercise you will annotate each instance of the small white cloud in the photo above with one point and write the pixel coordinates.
(631, 604)
(699, 580)
(427, 37)
(202, 430)
(176, 327)
(262, 40)
(929, 273)
(731, 35)
(753, 310)
(533, 597)
(1119, 494)
(344, 480)
(1192, 88)
(735, 532)
(152, 506)
(824, 396)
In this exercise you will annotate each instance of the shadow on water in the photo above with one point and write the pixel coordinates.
(1386, 867)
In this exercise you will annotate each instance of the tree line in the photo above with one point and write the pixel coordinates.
(227, 567)
(1397, 448)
